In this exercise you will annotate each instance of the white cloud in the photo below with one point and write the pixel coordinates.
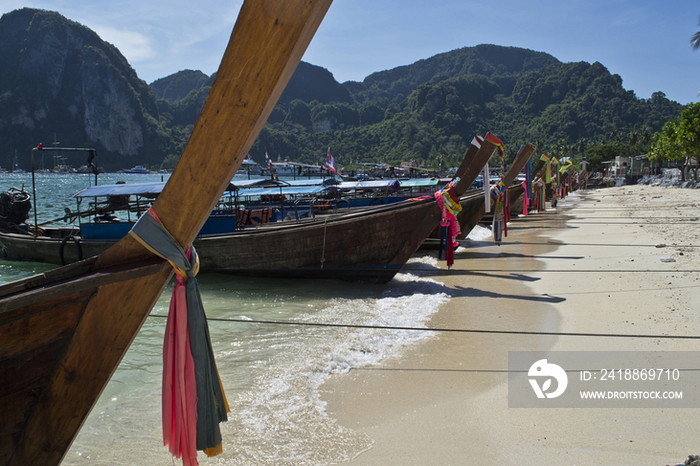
(135, 46)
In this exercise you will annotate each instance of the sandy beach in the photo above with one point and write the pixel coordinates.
(598, 263)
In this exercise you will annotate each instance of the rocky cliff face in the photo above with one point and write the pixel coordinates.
(57, 76)
(109, 107)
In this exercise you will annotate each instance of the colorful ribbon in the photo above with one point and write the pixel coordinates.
(528, 187)
(499, 216)
(450, 208)
(487, 188)
(498, 225)
(548, 170)
(526, 197)
(193, 397)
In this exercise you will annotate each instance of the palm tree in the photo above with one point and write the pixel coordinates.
(581, 145)
(695, 40)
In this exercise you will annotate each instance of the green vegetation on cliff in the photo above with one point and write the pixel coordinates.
(57, 76)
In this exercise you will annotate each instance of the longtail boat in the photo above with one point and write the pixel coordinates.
(473, 203)
(370, 244)
(63, 333)
(516, 191)
(473, 211)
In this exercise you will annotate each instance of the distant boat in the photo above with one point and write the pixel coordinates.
(86, 169)
(294, 169)
(15, 167)
(250, 167)
(63, 170)
(137, 169)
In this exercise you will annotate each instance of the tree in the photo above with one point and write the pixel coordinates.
(561, 148)
(169, 161)
(680, 139)
(598, 153)
(695, 40)
(581, 145)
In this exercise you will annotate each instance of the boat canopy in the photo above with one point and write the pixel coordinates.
(244, 187)
(243, 184)
(262, 183)
(287, 191)
(376, 184)
(419, 182)
(137, 189)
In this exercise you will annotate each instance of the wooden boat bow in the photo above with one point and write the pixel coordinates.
(474, 207)
(65, 332)
(518, 164)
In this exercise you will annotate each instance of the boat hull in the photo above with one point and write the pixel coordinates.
(51, 249)
(369, 245)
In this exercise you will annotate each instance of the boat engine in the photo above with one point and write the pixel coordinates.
(15, 205)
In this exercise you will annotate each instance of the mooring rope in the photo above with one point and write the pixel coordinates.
(450, 330)
(323, 250)
(617, 245)
(568, 270)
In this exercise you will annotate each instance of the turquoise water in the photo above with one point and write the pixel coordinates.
(55, 192)
(271, 373)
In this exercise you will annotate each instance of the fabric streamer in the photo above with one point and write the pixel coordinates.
(443, 233)
(450, 207)
(540, 196)
(499, 221)
(506, 210)
(487, 188)
(555, 181)
(526, 197)
(193, 397)
(548, 170)
(566, 182)
(498, 224)
(527, 185)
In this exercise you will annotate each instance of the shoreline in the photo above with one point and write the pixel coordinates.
(577, 269)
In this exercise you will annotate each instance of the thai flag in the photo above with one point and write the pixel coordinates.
(330, 163)
(268, 162)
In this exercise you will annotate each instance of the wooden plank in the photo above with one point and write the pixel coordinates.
(7, 447)
(468, 170)
(62, 273)
(518, 164)
(267, 43)
(21, 305)
(109, 324)
(25, 376)
(38, 329)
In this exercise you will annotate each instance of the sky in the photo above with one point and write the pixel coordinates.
(646, 42)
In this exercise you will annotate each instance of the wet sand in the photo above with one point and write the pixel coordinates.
(591, 265)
